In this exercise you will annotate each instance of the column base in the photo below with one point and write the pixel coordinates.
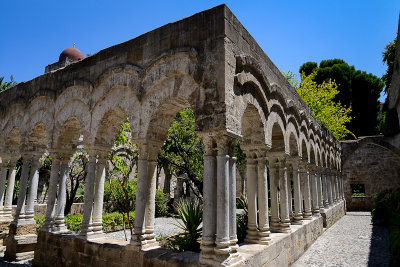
(284, 228)
(226, 254)
(143, 242)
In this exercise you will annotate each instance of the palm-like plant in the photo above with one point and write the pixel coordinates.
(191, 214)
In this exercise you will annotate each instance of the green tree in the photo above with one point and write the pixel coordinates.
(320, 99)
(388, 57)
(6, 85)
(183, 150)
(356, 89)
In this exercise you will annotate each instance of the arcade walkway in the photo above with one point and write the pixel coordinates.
(352, 241)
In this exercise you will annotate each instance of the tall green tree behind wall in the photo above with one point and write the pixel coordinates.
(357, 89)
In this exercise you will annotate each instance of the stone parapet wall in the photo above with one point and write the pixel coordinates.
(284, 249)
(69, 250)
(333, 214)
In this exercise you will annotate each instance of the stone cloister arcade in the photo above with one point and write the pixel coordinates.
(207, 62)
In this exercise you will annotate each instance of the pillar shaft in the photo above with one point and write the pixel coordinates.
(23, 183)
(298, 214)
(87, 227)
(307, 193)
(33, 186)
(320, 194)
(99, 195)
(150, 202)
(262, 178)
(222, 238)
(51, 197)
(251, 176)
(209, 205)
(314, 192)
(274, 194)
(232, 200)
(59, 223)
(3, 179)
(10, 189)
(284, 191)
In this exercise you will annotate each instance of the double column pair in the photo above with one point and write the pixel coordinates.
(257, 192)
(316, 189)
(219, 239)
(143, 237)
(6, 196)
(94, 190)
(280, 217)
(25, 206)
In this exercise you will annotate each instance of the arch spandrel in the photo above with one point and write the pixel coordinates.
(79, 93)
(37, 139)
(181, 91)
(10, 112)
(73, 109)
(126, 76)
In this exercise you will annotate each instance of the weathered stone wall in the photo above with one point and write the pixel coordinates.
(372, 162)
(334, 213)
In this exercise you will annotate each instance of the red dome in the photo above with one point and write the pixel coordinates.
(72, 54)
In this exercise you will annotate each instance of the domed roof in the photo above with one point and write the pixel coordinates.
(72, 54)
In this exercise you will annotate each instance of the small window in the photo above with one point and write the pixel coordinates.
(357, 190)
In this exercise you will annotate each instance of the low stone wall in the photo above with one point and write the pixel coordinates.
(284, 249)
(69, 250)
(334, 213)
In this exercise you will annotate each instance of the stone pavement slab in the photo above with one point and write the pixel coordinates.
(352, 241)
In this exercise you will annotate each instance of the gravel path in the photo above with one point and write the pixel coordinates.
(352, 241)
(162, 227)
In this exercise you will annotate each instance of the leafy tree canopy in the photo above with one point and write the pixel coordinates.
(320, 99)
(356, 89)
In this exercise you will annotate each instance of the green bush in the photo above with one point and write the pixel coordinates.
(161, 204)
(191, 214)
(114, 197)
(113, 221)
(242, 219)
(73, 222)
(387, 213)
(39, 221)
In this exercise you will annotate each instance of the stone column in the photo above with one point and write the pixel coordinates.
(252, 235)
(320, 193)
(306, 191)
(33, 186)
(209, 202)
(337, 188)
(334, 195)
(23, 184)
(150, 202)
(99, 195)
(273, 180)
(284, 191)
(298, 214)
(222, 236)
(3, 178)
(10, 189)
(87, 223)
(262, 178)
(325, 188)
(51, 197)
(59, 223)
(290, 197)
(314, 190)
(232, 203)
(329, 178)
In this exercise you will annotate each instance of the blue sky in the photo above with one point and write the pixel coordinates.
(33, 33)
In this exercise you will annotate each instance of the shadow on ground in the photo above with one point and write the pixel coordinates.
(379, 254)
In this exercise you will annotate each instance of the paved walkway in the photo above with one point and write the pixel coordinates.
(352, 241)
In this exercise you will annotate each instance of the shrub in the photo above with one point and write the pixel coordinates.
(161, 204)
(242, 219)
(113, 221)
(191, 213)
(73, 222)
(114, 196)
(39, 221)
